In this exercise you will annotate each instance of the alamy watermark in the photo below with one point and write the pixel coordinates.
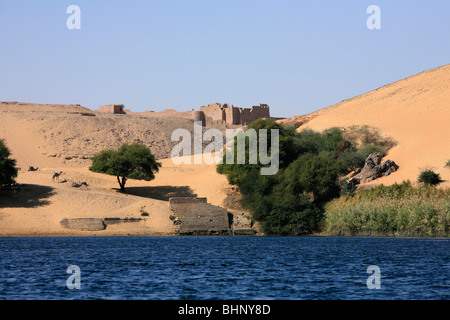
(74, 280)
(73, 22)
(213, 153)
(374, 280)
(374, 20)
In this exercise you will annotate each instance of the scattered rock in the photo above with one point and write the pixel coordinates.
(244, 232)
(79, 184)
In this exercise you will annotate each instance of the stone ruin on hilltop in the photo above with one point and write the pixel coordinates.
(217, 113)
(232, 115)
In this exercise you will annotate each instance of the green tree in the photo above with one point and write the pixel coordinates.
(8, 171)
(315, 174)
(291, 145)
(236, 172)
(130, 161)
(291, 201)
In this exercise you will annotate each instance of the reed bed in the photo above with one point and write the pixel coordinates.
(398, 210)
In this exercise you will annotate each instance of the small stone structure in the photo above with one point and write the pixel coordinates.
(110, 221)
(83, 224)
(232, 115)
(94, 224)
(112, 108)
(195, 216)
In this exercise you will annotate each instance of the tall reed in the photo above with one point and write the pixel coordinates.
(397, 210)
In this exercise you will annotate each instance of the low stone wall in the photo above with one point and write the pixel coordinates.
(83, 224)
(197, 217)
(110, 221)
(185, 200)
(94, 224)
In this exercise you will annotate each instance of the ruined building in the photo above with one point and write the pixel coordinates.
(112, 108)
(232, 115)
(216, 112)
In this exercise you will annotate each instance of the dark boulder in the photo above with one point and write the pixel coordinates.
(374, 169)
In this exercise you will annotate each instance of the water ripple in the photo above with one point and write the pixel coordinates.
(224, 268)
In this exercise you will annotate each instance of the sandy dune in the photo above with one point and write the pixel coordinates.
(414, 111)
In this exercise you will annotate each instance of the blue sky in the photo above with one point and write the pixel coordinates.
(297, 56)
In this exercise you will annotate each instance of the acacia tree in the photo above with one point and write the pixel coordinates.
(130, 161)
(8, 171)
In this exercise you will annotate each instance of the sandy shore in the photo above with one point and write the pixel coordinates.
(39, 207)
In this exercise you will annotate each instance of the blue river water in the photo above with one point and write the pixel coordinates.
(238, 268)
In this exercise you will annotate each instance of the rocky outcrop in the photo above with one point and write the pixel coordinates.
(374, 169)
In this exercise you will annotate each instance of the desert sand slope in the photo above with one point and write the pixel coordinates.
(38, 209)
(68, 135)
(63, 138)
(414, 111)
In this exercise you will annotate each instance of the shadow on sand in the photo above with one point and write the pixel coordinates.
(27, 196)
(161, 192)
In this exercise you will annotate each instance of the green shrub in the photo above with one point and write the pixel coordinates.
(371, 148)
(8, 171)
(347, 187)
(365, 135)
(429, 177)
(447, 165)
(355, 159)
(352, 159)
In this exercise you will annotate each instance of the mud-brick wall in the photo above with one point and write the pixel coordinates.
(196, 216)
(215, 112)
